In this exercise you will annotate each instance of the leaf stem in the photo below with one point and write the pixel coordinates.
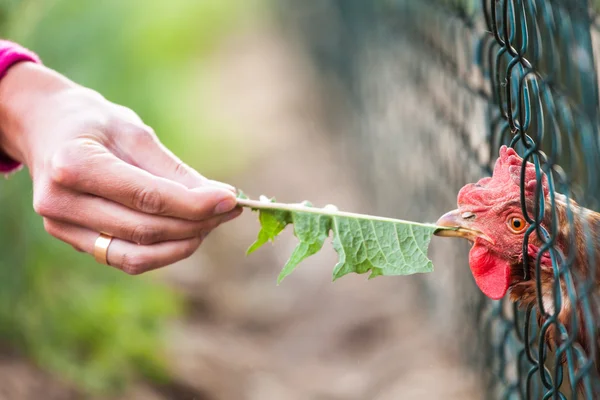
(255, 204)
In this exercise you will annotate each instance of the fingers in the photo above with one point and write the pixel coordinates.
(151, 155)
(101, 215)
(86, 166)
(131, 258)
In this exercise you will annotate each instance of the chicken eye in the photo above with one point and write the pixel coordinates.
(467, 215)
(516, 224)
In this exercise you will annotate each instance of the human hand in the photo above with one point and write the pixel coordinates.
(96, 167)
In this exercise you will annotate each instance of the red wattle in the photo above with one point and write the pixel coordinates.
(491, 273)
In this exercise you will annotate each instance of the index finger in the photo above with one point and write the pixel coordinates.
(89, 167)
(153, 156)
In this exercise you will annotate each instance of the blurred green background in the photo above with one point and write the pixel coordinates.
(356, 103)
(92, 326)
(235, 88)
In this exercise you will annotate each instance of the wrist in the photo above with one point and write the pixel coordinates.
(25, 94)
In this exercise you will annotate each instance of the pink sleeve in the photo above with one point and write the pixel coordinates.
(10, 54)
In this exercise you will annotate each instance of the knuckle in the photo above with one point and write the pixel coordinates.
(150, 132)
(213, 223)
(203, 237)
(63, 166)
(126, 113)
(43, 203)
(145, 234)
(133, 264)
(140, 134)
(40, 206)
(149, 200)
(181, 168)
(201, 231)
(191, 247)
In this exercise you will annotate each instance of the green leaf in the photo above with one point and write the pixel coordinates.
(364, 243)
(272, 223)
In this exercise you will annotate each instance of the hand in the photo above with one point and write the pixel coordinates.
(96, 167)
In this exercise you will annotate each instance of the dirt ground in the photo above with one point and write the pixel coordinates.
(245, 337)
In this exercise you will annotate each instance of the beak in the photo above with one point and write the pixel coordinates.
(458, 227)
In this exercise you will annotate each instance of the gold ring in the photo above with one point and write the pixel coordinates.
(101, 248)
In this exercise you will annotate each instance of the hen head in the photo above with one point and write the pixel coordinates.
(489, 215)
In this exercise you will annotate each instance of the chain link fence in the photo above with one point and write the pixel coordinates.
(427, 92)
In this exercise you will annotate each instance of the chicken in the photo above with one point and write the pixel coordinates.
(489, 215)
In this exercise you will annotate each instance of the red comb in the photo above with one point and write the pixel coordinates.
(504, 182)
(511, 164)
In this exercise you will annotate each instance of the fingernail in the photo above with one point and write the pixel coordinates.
(225, 206)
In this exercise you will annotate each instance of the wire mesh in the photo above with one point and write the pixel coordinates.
(539, 60)
(463, 78)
